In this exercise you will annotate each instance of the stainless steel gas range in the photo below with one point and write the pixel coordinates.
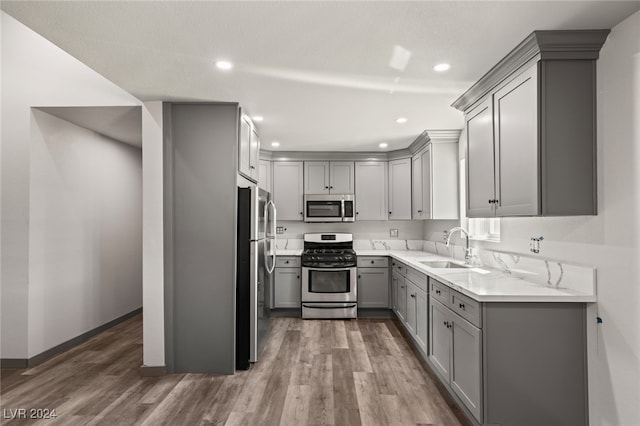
(329, 283)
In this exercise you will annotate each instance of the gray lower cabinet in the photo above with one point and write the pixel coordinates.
(399, 290)
(410, 302)
(455, 352)
(287, 283)
(373, 288)
(416, 319)
(510, 363)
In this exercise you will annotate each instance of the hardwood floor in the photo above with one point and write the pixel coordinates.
(311, 372)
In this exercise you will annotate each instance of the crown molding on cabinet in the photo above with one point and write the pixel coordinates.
(539, 45)
(428, 136)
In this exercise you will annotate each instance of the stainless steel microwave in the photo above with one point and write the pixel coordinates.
(329, 208)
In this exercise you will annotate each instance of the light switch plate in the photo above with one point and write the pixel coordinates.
(393, 233)
(279, 229)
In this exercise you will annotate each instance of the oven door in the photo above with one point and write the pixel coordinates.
(329, 284)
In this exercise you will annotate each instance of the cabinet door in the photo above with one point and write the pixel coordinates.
(316, 177)
(466, 363)
(421, 329)
(244, 147)
(373, 288)
(416, 186)
(394, 290)
(254, 155)
(341, 177)
(264, 175)
(287, 189)
(400, 189)
(411, 307)
(371, 190)
(516, 142)
(439, 338)
(401, 298)
(287, 288)
(480, 160)
(425, 163)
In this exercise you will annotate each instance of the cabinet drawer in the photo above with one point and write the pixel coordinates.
(373, 262)
(399, 267)
(439, 291)
(288, 262)
(418, 278)
(466, 307)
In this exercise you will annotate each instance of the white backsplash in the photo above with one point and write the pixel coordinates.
(533, 269)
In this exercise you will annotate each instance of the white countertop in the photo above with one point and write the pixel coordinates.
(480, 283)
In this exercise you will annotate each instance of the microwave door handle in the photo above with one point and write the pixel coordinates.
(342, 210)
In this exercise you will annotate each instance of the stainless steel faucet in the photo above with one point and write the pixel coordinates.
(467, 250)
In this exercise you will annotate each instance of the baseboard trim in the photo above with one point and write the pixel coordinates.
(14, 363)
(65, 346)
(152, 371)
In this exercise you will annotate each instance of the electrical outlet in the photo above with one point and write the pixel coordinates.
(393, 233)
(279, 229)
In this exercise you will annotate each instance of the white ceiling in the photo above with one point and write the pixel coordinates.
(317, 71)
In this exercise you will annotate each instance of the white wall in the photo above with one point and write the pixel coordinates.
(364, 229)
(153, 235)
(85, 231)
(34, 73)
(609, 241)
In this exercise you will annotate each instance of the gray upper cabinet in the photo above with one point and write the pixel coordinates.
(329, 177)
(287, 189)
(400, 189)
(248, 150)
(264, 175)
(480, 177)
(341, 177)
(435, 177)
(530, 127)
(371, 190)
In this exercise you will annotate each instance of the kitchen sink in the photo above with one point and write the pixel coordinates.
(442, 264)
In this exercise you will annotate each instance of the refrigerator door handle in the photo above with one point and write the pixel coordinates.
(271, 252)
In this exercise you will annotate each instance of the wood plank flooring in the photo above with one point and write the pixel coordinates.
(358, 372)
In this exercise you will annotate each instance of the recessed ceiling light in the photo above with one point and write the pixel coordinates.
(257, 118)
(442, 67)
(383, 145)
(275, 144)
(224, 65)
(401, 120)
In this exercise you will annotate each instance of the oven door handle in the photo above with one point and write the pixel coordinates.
(329, 305)
(313, 268)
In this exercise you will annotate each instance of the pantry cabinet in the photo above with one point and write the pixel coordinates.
(530, 129)
(400, 189)
(288, 189)
(371, 190)
(329, 177)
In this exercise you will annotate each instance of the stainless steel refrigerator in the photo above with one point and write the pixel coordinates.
(256, 259)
